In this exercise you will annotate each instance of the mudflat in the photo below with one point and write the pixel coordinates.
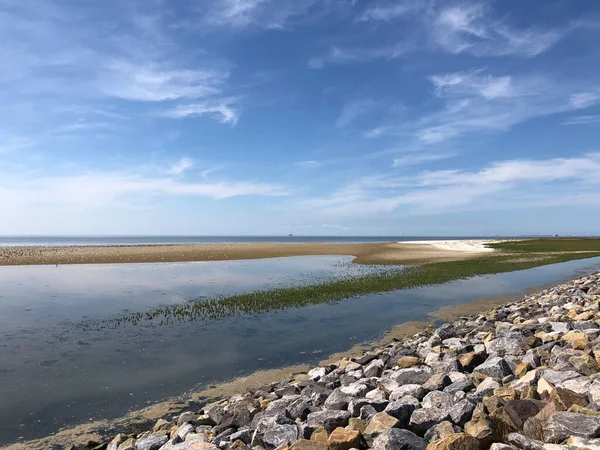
(380, 253)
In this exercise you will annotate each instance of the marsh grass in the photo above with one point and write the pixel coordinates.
(387, 279)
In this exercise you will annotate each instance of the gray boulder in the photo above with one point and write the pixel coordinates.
(402, 409)
(277, 435)
(330, 420)
(564, 424)
(152, 442)
(495, 367)
(396, 439)
(423, 419)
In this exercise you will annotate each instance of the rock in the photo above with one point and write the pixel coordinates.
(378, 424)
(495, 367)
(564, 424)
(487, 386)
(414, 375)
(374, 369)
(413, 390)
(402, 410)
(564, 399)
(303, 444)
(482, 430)
(330, 420)
(423, 419)
(591, 444)
(357, 424)
(337, 400)
(162, 424)
(118, 439)
(579, 341)
(440, 431)
(408, 361)
(184, 430)
(500, 446)
(584, 364)
(438, 399)
(317, 373)
(461, 412)
(343, 439)
(579, 385)
(152, 442)
(320, 435)
(396, 439)
(594, 392)
(506, 393)
(129, 444)
(277, 435)
(470, 360)
(356, 404)
(555, 377)
(505, 346)
(524, 443)
(457, 441)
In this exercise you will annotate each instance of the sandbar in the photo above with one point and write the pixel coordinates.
(368, 253)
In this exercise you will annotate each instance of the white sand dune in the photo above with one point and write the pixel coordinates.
(459, 245)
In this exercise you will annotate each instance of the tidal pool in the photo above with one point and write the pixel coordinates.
(56, 370)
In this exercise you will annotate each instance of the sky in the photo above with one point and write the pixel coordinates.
(312, 117)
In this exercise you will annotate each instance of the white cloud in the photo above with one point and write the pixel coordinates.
(9, 144)
(223, 111)
(502, 184)
(419, 158)
(60, 60)
(582, 120)
(389, 11)
(181, 166)
(584, 99)
(430, 25)
(309, 164)
(152, 83)
(267, 14)
(353, 110)
(119, 189)
(475, 102)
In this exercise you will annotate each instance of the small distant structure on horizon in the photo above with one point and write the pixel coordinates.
(290, 235)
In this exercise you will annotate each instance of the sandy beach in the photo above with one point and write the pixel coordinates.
(418, 252)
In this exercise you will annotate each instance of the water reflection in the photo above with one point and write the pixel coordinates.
(56, 374)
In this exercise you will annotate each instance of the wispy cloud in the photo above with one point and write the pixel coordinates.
(419, 158)
(181, 166)
(389, 11)
(434, 25)
(478, 102)
(267, 14)
(474, 28)
(353, 110)
(9, 144)
(309, 164)
(582, 120)
(98, 189)
(225, 111)
(501, 184)
(64, 54)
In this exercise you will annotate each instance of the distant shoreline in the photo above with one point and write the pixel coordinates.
(364, 253)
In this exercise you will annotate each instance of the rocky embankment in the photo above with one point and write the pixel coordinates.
(521, 376)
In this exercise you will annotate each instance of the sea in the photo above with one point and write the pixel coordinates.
(169, 240)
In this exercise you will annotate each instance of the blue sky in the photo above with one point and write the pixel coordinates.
(305, 116)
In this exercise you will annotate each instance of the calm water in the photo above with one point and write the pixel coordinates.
(56, 371)
(156, 240)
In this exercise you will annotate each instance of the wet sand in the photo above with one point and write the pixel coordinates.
(381, 253)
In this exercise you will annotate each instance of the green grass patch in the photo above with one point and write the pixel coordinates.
(389, 279)
(550, 245)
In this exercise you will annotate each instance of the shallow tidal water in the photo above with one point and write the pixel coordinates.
(56, 370)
